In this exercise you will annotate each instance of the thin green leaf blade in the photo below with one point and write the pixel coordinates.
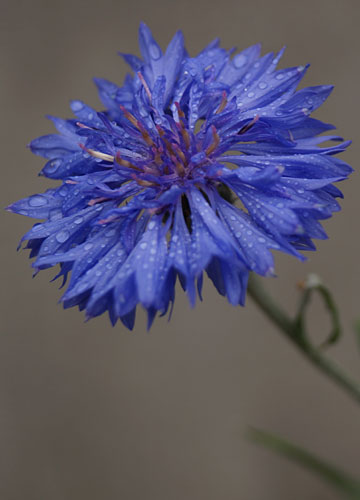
(349, 486)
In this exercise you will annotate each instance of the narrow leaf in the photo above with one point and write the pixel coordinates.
(348, 485)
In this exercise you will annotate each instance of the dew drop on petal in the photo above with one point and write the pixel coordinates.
(52, 166)
(110, 232)
(239, 60)
(62, 236)
(262, 85)
(37, 201)
(154, 51)
(78, 220)
(76, 105)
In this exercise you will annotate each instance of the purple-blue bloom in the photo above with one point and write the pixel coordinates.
(202, 163)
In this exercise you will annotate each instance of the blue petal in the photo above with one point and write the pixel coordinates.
(227, 282)
(52, 146)
(38, 206)
(254, 243)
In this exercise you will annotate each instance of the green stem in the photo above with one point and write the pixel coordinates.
(346, 484)
(291, 329)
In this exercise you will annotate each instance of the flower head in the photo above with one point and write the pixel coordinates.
(197, 164)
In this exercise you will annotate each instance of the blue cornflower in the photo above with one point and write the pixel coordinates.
(197, 164)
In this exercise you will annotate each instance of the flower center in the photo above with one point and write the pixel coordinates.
(174, 153)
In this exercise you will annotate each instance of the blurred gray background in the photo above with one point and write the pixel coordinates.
(92, 412)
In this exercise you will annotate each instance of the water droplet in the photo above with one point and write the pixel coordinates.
(261, 240)
(110, 232)
(251, 94)
(52, 166)
(143, 245)
(151, 225)
(78, 220)
(62, 236)
(155, 51)
(279, 76)
(239, 60)
(143, 112)
(76, 105)
(37, 201)
(262, 85)
(88, 246)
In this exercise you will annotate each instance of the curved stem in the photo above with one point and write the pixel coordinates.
(291, 329)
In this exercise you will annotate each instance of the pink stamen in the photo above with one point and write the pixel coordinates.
(125, 163)
(223, 103)
(81, 125)
(216, 141)
(249, 125)
(97, 154)
(94, 201)
(145, 85)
